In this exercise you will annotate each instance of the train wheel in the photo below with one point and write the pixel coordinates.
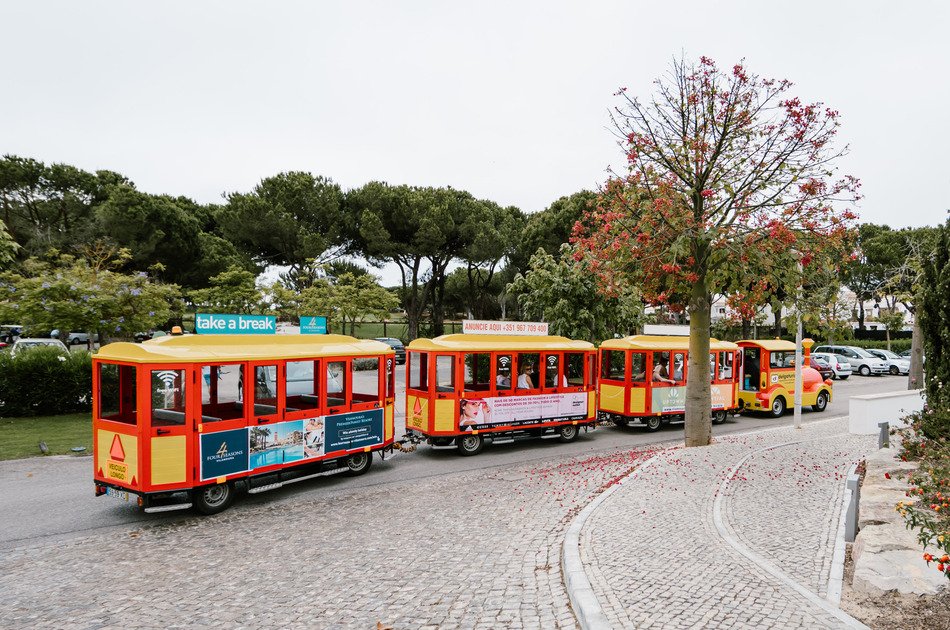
(821, 403)
(568, 432)
(654, 423)
(213, 499)
(778, 407)
(358, 463)
(719, 416)
(470, 444)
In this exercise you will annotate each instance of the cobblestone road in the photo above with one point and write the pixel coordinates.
(656, 559)
(467, 550)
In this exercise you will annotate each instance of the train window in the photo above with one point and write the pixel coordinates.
(477, 372)
(726, 368)
(638, 367)
(117, 401)
(781, 359)
(528, 370)
(552, 365)
(301, 388)
(574, 366)
(419, 370)
(503, 381)
(222, 392)
(613, 367)
(679, 367)
(336, 383)
(445, 373)
(168, 398)
(365, 379)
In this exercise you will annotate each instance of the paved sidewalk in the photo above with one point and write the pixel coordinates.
(663, 552)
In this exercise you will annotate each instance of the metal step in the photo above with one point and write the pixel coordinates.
(167, 508)
(279, 484)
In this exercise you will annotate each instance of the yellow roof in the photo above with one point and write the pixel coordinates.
(768, 344)
(211, 348)
(661, 342)
(487, 343)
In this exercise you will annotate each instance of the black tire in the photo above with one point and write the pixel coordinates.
(654, 423)
(864, 370)
(469, 444)
(844, 378)
(210, 500)
(834, 376)
(778, 407)
(821, 403)
(620, 421)
(74, 342)
(895, 370)
(568, 432)
(719, 417)
(358, 463)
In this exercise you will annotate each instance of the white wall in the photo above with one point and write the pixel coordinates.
(865, 412)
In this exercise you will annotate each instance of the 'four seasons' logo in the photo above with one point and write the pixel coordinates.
(223, 450)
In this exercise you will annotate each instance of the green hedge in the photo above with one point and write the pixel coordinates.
(45, 382)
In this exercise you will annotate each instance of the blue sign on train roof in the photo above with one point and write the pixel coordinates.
(313, 325)
(213, 324)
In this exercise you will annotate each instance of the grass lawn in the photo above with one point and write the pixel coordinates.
(20, 437)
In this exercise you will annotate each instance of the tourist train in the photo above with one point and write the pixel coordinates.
(186, 420)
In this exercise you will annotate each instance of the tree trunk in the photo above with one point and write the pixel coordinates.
(777, 328)
(746, 328)
(915, 379)
(698, 397)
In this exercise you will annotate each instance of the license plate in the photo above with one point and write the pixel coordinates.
(121, 495)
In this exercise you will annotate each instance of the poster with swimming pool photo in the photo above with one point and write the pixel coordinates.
(279, 443)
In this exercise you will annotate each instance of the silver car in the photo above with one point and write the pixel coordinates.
(24, 343)
(840, 367)
(896, 364)
(861, 361)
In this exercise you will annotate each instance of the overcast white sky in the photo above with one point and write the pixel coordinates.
(507, 100)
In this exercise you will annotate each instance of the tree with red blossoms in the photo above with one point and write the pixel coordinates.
(729, 180)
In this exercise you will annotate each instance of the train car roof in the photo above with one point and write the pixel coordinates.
(213, 348)
(487, 343)
(768, 344)
(661, 342)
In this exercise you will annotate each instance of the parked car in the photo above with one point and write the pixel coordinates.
(80, 338)
(821, 366)
(139, 337)
(396, 345)
(860, 359)
(840, 367)
(26, 343)
(10, 332)
(896, 364)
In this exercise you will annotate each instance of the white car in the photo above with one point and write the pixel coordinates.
(27, 343)
(840, 367)
(860, 359)
(896, 364)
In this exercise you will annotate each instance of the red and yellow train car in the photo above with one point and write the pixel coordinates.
(181, 420)
(464, 388)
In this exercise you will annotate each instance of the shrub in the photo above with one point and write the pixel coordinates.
(44, 381)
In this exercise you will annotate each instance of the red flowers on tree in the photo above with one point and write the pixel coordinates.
(730, 184)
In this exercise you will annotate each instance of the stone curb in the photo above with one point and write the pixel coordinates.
(587, 609)
(590, 615)
(836, 573)
(761, 561)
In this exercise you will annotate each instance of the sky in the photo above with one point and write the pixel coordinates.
(508, 100)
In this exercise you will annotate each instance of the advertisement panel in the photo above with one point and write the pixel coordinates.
(478, 327)
(357, 429)
(484, 413)
(313, 325)
(223, 453)
(211, 324)
(668, 399)
(721, 396)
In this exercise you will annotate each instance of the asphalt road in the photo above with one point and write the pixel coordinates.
(52, 498)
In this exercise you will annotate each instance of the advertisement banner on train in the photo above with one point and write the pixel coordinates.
(223, 453)
(358, 429)
(484, 413)
(721, 396)
(669, 400)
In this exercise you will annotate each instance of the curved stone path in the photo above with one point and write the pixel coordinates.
(738, 534)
